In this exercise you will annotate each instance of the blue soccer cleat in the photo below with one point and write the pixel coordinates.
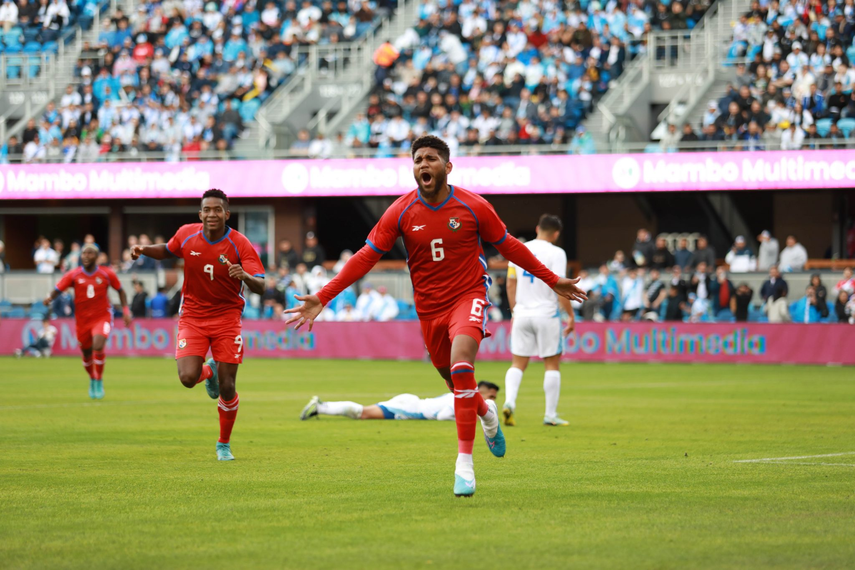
(496, 443)
(463, 487)
(92, 391)
(212, 384)
(99, 390)
(224, 452)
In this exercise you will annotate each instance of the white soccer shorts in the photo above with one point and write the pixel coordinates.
(536, 336)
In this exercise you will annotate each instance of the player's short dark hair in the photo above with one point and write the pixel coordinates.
(430, 141)
(488, 385)
(217, 193)
(550, 223)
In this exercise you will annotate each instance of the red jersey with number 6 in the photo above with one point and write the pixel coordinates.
(443, 243)
(91, 302)
(209, 292)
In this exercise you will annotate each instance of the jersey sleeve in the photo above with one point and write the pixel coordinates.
(65, 282)
(382, 237)
(249, 259)
(491, 228)
(113, 278)
(175, 244)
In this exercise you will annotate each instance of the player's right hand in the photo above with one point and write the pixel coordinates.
(47, 301)
(307, 312)
(136, 252)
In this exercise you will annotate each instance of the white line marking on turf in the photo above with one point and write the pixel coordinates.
(771, 459)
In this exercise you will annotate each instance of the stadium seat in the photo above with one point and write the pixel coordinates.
(17, 313)
(823, 126)
(846, 126)
(50, 47)
(850, 52)
(13, 67)
(32, 47)
(725, 316)
(652, 148)
(248, 110)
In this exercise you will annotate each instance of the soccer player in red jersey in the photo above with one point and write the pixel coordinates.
(93, 313)
(443, 228)
(218, 261)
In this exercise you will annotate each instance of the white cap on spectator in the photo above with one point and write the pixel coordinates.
(739, 239)
(797, 45)
(713, 104)
(765, 234)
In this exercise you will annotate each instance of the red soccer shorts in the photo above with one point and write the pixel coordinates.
(222, 336)
(86, 330)
(468, 316)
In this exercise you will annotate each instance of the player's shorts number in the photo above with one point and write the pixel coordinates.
(437, 252)
(478, 307)
(209, 269)
(239, 342)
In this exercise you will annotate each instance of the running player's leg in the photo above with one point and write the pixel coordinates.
(227, 349)
(550, 348)
(99, 340)
(84, 340)
(190, 352)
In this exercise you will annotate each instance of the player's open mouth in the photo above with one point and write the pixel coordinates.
(426, 177)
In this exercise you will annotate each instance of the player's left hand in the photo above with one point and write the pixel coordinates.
(127, 319)
(570, 327)
(568, 289)
(236, 271)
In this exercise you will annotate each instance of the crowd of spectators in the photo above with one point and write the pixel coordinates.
(660, 284)
(497, 72)
(796, 89)
(36, 25)
(180, 77)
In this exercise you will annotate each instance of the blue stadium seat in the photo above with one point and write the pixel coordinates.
(5, 307)
(32, 47)
(846, 126)
(653, 147)
(725, 316)
(50, 47)
(38, 310)
(850, 52)
(17, 313)
(13, 67)
(823, 126)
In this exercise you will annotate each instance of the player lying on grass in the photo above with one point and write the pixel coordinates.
(93, 312)
(218, 261)
(443, 227)
(401, 407)
(536, 329)
(43, 344)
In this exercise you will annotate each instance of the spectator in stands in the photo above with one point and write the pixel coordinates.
(272, 296)
(632, 294)
(342, 259)
(313, 252)
(793, 257)
(701, 283)
(605, 292)
(807, 309)
(775, 287)
(8, 15)
(388, 308)
(368, 303)
(689, 138)
(642, 250)
(45, 257)
(144, 263)
(768, 255)
(676, 308)
(138, 303)
(2, 257)
(618, 262)
(841, 306)
(287, 257)
(160, 304)
(722, 292)
(654, 295)
(793, 138)
(34, 151)
(320, 147)
(662, 257)
(671, 139)
(740, 257)
(703, 253)
(317, 279)
(742, 301)
(72, 260)
(683, 257)
(821, 294)
(582, 142)
(847, 283)
(302, 144)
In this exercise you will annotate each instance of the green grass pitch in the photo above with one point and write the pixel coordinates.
(645, 477)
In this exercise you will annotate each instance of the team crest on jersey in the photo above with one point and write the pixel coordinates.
(182, 343)
(223, 260)
(98, 280)
(454, 224)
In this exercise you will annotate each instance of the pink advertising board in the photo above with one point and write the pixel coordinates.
(697, 171)
(592, 342)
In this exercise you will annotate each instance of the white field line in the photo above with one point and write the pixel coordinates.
(776, 459)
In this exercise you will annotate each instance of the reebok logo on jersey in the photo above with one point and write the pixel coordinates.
(195, 252)
(418, 228)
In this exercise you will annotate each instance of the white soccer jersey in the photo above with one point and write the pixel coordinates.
(411, 407)
(534, 298)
